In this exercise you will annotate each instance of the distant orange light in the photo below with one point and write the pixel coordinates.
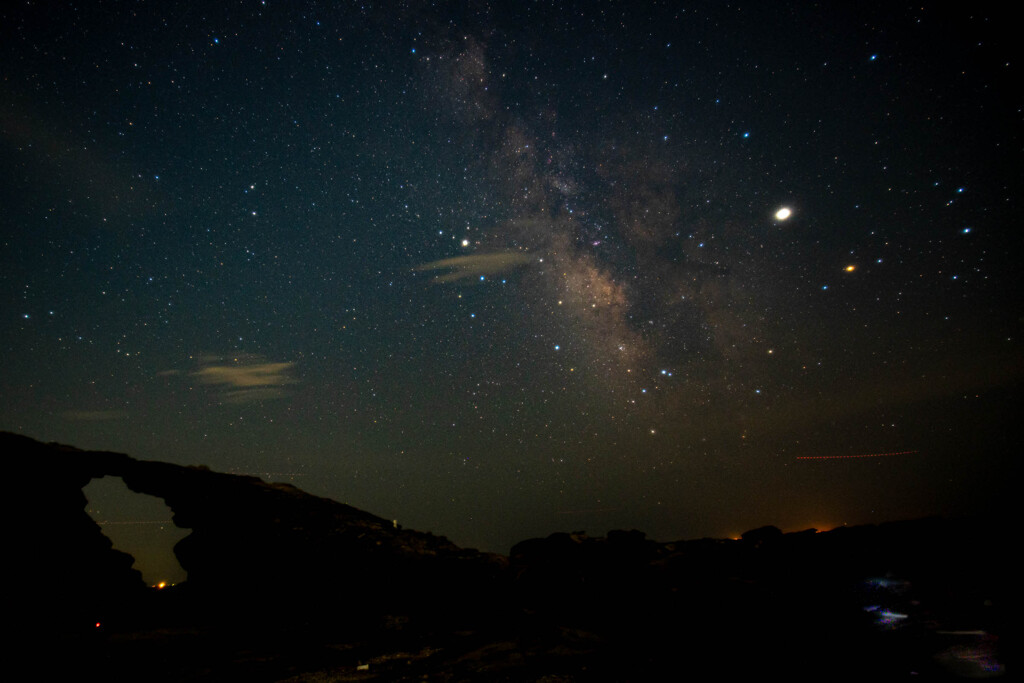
(98, 624)
(850, 268)
(161, 585)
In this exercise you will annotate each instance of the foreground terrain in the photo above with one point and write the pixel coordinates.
(283, 585)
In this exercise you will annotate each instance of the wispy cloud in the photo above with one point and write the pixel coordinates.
(245, 379)
(475, 265)
(247, 376)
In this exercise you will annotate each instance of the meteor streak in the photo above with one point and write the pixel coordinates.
(842, 457)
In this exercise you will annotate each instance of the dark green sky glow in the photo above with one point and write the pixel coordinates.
(500, 270)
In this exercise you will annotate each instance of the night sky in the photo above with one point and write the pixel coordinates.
(498, 270)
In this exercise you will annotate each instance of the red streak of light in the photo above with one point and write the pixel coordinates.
(865, 455)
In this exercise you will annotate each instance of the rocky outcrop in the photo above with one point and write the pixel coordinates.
(253, 545)
(58, 558)
(294, 583)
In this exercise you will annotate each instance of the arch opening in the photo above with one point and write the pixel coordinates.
(137, 524)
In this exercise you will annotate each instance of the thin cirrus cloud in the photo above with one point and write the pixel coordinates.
(475, 265)
(245, 379)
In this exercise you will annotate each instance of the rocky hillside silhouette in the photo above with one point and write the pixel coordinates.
(284, 585)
